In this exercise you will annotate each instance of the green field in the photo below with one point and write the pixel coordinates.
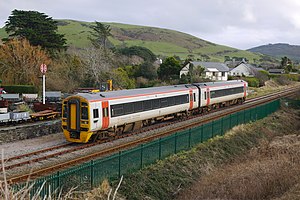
(161, 41)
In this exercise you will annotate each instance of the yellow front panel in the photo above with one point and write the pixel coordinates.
(73, 116)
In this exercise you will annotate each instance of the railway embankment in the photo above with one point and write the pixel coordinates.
(259, 160)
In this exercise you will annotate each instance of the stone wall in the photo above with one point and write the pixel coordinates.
(27, 131)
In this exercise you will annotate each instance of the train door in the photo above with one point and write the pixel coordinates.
(207, 96)
(105, 115)
(73, 123)
(198, 95)
(245, 90)
(191, 99)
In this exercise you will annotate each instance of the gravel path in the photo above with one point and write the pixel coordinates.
(29, 145)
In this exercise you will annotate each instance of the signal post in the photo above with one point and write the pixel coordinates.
(43, 69)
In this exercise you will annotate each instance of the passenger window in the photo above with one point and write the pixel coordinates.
(138, 106)
(205, 95)
(96, 113)
(194, 97)
(148, 105)
(155, 103)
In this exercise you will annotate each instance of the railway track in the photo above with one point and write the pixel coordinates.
(47, 153)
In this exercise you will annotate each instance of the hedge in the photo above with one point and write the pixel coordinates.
(26, 89)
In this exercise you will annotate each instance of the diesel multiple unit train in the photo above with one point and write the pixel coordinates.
(86, 116)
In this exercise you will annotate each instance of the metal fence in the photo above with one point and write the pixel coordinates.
(91, 174)
(293, 103)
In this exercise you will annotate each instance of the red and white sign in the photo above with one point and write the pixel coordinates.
(43, 68)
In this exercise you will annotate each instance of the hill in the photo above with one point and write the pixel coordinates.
(279, 50)
(161, 41)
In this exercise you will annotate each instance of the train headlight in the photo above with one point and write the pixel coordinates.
(84, 122)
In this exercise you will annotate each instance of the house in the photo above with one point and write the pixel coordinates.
(276, 71)
(212, 70)
(244, 69)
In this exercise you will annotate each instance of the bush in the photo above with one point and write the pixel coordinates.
(292, 77)
(26, 89)
(282, 80)
(262, 76)
(252, 82)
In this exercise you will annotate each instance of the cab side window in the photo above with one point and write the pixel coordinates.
(96, 113)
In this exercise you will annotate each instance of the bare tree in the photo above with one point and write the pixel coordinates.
(98, 63)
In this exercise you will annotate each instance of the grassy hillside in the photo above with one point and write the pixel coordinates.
(279, 50)
(160, 41)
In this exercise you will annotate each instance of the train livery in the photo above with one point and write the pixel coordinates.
(87, 116)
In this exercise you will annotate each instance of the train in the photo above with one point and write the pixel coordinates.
(90, 116)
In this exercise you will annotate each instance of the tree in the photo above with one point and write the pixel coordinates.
(286, 64)
(169, 69)
(142, 52)
(38, 28)
(100, 35)
(227, 58)
(66, 74)
(148, 71)
(20, 62)
(98, 64)
(121, 79)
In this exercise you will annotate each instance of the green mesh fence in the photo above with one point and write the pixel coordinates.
(91, 174)
(196, 136)
(291, 103)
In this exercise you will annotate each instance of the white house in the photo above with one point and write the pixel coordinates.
(244, 69)
(212, 70)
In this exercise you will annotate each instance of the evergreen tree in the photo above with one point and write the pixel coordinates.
(38, 28)
(100, 35)
(286, 64)
(142, 52)
(169, 69)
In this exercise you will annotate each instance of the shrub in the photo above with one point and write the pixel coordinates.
(292, 77)
(262, 76)
(252, 82)
(282, 80)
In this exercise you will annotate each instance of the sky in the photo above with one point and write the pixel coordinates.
(241, 24)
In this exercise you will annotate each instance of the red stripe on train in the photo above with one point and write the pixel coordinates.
(105, 119)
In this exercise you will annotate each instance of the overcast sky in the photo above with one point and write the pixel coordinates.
(237, 23)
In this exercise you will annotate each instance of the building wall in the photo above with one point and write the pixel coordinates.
(217, 77)
(240, 70)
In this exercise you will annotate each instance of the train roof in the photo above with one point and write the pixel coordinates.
(151, 90)
(134, 92)
(210, 84)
